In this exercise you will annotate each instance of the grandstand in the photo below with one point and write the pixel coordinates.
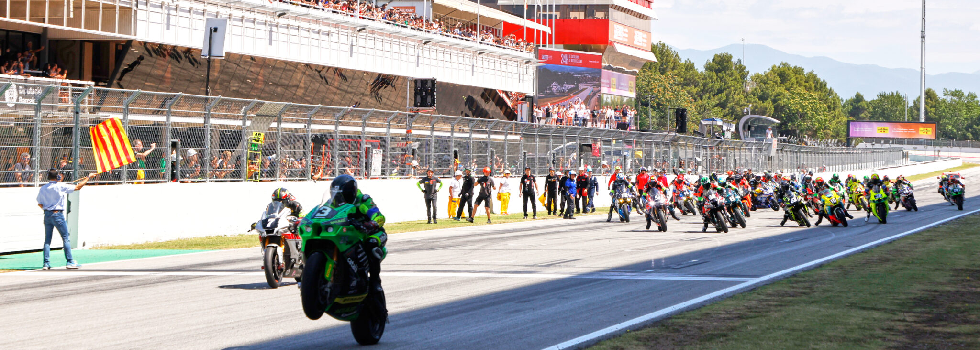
(332, 53)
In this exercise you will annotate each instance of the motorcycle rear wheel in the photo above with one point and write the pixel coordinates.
(310, 291)
(369, 326)
(273, 275)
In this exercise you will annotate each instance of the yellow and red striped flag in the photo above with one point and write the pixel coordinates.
(111, 145)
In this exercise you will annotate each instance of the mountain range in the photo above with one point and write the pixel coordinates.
(845, 78)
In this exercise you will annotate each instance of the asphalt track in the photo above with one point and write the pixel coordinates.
(512, 286)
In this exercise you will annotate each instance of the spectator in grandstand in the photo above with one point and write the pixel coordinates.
(53, 199)
(137, 171)
(23, 174)
(29, 57)
(65, 167)
(191, 169)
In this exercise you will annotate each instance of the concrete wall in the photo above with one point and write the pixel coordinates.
(126, 214)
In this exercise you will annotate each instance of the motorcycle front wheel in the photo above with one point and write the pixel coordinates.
(273, 275)
(309, 291)
(739, 218)
(720, 222)
(369, 326)
(959, 202)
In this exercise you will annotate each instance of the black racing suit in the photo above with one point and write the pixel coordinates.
(551, 193)
(582, 186)
(563, 189)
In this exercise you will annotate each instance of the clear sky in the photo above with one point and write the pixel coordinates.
(882, 32)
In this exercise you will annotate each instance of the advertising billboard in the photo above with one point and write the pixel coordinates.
(569, 78)
(629, 36)
(618, 84)
(891, 130)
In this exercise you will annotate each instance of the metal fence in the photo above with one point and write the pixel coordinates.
(190, 138)
(920, 142)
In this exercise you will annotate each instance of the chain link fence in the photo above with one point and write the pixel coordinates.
(189, 138)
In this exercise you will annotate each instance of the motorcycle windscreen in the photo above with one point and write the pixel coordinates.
(273, 209)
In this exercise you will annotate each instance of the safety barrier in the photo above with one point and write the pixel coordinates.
(189, 138)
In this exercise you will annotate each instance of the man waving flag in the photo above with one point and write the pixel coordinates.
(110, 145)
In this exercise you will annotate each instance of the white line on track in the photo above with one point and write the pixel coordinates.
(599, 276)
(610, 331)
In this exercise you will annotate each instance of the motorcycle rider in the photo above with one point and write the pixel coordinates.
(825, 191)
(943, 181)
(620, 182)
(654, 187)
(281, 194)
(288, 200)
(615, 176)
(367, 218)
(705, 185)
(873, 181)
(783, 192)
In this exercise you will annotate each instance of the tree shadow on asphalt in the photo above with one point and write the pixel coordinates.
(547, 313)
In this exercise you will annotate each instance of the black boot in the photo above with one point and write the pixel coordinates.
(781, 223)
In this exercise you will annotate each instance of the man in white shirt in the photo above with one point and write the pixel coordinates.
(503, 193)
(53, 198)
(455, 189)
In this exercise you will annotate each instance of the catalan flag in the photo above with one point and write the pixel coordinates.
(110, 145)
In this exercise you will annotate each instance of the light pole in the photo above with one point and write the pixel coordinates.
(922, 71)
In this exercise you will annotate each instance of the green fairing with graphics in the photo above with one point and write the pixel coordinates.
(340, 278)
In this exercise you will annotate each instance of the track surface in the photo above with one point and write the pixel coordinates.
(524, 285)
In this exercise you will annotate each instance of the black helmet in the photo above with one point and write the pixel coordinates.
(343, 190)
(280, 194)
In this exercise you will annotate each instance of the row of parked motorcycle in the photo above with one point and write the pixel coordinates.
(727, 204)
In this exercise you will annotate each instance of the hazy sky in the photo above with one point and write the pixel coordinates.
(883, 32)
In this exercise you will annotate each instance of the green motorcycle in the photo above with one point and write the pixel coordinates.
(879, 204)
(340, 277)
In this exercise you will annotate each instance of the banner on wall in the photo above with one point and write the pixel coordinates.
(618, 84)
(570, 58)
(629, 36)
(891, 130)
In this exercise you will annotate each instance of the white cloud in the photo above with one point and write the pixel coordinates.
(883, 32)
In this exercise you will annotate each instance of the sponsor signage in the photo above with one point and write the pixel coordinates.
(408, 9)
(629, 36)
(573, 59)
(618, 84)
(891, 130)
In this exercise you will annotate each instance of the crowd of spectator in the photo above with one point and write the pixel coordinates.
(383, 12)
(25, 63)
(578, 114)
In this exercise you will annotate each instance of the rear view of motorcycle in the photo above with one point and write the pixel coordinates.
(280, 244)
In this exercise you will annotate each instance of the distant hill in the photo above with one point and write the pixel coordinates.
(845, 78)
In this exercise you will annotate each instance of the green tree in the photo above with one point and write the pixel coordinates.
(804, 103)
(888, 106)
(722, 88)
(856, 107)
(932, 101)
(958, 115)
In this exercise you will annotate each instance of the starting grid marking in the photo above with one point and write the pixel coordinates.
(593, 276)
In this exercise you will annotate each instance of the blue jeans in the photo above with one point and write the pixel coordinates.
(54, 220)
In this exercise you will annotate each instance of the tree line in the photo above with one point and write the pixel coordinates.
(804, 103)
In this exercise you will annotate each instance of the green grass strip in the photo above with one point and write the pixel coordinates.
(922, 291)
